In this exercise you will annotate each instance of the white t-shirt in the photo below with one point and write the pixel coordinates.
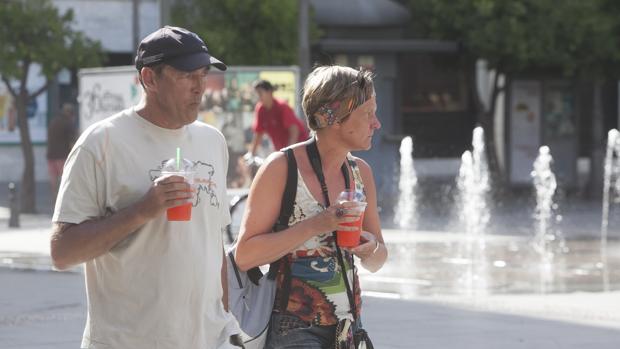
(161, 286)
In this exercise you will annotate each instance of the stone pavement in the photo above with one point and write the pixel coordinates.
(47, 310)
(40, 308)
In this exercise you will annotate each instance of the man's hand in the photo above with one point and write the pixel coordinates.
(72, 244)
(167, 191)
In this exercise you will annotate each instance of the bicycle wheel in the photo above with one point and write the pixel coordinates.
(237, 207)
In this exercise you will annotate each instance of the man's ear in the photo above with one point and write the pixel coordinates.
(149, 78)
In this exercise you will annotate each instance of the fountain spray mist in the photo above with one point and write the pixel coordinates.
(405, 216)
(612, 172)
(547, 236)
(473, 185)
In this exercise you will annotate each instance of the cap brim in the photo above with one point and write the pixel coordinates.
(195, 61)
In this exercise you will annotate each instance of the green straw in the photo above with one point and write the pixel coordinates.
(178, 158)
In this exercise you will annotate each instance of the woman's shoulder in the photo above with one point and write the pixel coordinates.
(275, 164)
(361, 164)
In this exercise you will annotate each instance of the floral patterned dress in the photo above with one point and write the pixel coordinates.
(318, 294)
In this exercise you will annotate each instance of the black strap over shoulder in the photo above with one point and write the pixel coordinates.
(315, 161)
(287, 206)
(290, 191)
(286, 210)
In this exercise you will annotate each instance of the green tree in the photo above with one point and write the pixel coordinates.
(244, 32)
(574, 38)
(34, 32)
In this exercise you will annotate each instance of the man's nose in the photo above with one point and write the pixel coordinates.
(199, 83)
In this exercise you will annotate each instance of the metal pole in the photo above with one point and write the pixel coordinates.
(135, 21)
(13, 207)
(304, 40)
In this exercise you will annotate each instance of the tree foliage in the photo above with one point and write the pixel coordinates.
(244, 32)
(571, 37)
(34, 32)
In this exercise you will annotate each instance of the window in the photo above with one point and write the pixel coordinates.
(434, 82)
(435, 103)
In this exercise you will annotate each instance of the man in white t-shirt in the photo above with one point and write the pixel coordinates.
(151, 283)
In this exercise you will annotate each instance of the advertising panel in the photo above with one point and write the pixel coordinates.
(227, 104)
(104, 92)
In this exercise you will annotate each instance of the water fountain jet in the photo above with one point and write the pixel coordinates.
(473, 185)
(547, 236)
(405, 216)
(612, 174)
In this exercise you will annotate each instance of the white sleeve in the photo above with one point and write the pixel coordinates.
(231, 328)
(81, 194)
(224, 208)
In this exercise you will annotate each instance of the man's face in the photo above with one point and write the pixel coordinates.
(264, 96)
(180, 92)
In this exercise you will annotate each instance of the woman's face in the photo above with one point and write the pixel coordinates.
(358, 129)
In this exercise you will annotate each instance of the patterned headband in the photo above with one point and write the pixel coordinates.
(329, 113)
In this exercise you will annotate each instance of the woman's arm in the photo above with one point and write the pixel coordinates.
(258, 245)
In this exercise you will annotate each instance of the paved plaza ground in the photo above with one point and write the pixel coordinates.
(40, 308)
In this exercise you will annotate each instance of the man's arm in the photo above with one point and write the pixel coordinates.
(256, 141)
(293, 134)
(290, 122)
(73, 244)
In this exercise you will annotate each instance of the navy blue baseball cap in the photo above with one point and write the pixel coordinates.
(177, 47)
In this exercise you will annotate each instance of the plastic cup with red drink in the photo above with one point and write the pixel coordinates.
(355, 203)
(184, 168)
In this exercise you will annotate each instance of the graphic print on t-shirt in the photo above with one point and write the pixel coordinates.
(204, 182)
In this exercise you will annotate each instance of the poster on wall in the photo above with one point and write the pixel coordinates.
(227, 104)
(524, 130)
(36, 111)
(106, 91)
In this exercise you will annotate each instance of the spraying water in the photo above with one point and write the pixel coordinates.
(612, 173)
(473, 185)
(405, 216)
(545, 185)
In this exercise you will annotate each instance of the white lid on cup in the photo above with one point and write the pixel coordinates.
(178, 164)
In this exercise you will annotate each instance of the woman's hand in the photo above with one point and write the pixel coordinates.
(367, 248)
(334, 216)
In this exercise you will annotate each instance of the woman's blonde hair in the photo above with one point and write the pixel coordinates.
(331, 93)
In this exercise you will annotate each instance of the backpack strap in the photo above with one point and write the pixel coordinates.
(290, 191)
(286, 210)
(287, 206)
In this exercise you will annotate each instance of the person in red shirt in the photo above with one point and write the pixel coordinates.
(276, 118)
